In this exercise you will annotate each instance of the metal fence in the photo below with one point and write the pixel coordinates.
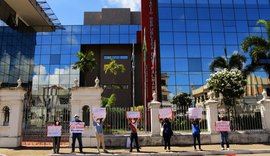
(246, 121)
(182, 123)
(117, 123)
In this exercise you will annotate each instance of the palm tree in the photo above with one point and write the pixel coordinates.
(235, 62)
(86, 63)
(259, 50)
(113, 67)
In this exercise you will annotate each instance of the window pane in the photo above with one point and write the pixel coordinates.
(194, 65)
(181, 65)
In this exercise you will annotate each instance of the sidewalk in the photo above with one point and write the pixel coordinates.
(235, 149)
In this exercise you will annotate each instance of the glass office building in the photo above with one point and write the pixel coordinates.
(194, 32)
(55, 52)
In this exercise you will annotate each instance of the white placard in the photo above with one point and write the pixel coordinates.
(222, 126)
(76, 127)
(99, 112)
(195, 113)
(54, 131)
(165, 113)
(133, 114)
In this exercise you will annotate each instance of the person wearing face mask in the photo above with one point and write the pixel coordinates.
(77, 136)
(133, 135)
(56, 139)
(98, 123)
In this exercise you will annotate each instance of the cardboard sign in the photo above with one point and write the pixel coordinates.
(222, 126)
(99, 112)
(54, 131)
(195, 113)
(165, 113)
(76, 127)
(133, 114)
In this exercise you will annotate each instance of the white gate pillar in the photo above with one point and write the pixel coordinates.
(265, 111)
(85, 96)
(11, 133)
(211, 113)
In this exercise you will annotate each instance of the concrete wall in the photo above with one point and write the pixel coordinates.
(187, 139)
(10, 136)
(109, 16)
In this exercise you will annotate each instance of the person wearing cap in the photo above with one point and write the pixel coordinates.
(77, 136)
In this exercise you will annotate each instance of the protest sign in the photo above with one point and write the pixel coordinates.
(165, 113)
(133, 114)
(99, 112)
(195, 113)
(76, 127)
(222, 126)
(54, 131)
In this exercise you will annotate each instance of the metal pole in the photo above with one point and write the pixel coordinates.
(133, 76)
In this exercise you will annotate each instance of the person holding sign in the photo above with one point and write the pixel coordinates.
(224, 136)
(76, 135)
(167, 133)
(99, 134)
(133, 135)
(55, 132)
(196, 133)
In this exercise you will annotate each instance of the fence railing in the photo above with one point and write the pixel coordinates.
(182, 123)
(117, 123)
(246, 121)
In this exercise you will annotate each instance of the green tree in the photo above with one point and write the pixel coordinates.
(259, 50)
(230, 84)
(182, 99)
(108, 102)
(114, 67)
(86, 62)
(236, 61)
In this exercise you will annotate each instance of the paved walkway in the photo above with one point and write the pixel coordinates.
(236, 149)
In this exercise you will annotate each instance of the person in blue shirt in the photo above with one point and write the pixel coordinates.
(167, 133)
(196, 133)
(99, 134)
(77, 136)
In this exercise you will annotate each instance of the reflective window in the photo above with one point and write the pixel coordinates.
(166, 51)
(182, 78)
(180, 51)
(181, 65)
(165, 13)
(194, 51)
(180, 38)
(190, 13)
(179, 25)
(55, 59)
(194, 65)
(203, 13)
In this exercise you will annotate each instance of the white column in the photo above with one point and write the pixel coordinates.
(10, 136)
(211, 114)
(155, 125)
(85, 96)
(265, 111)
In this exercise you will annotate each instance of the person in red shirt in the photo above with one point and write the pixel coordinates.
(133, 135)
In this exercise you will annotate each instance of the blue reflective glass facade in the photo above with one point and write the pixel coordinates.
(194, 32)
(16, 55)
(55, 52)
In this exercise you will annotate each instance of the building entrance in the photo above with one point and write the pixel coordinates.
(41, 108)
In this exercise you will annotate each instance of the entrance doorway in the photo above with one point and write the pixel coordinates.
(41, 108)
